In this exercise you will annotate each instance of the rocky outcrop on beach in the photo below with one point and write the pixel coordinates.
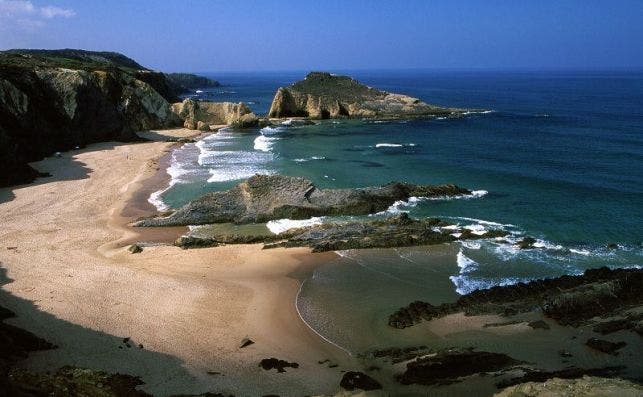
(59, 101)
(569, 300)
(262, 198)
(323, 95)
(586, 386)
(449, 366)
(204, 116)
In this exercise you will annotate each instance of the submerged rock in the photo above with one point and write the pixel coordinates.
(358, 380)
(605, 346)
(323, 95)
(262, 198)
(447, 366)
(570, 300)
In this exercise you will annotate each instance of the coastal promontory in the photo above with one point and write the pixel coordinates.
(322, 95)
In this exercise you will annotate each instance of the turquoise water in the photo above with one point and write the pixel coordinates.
(560, 155)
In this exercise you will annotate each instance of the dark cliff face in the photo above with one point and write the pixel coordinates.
(50, 103)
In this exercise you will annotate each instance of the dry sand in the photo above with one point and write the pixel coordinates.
(71, 280)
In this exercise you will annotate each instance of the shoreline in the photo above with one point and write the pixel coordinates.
(221, 294)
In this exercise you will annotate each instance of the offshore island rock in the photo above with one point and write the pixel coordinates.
(323, 95)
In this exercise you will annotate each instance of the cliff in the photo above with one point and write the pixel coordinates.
(323, 95)
(199, 115)
(51, 103)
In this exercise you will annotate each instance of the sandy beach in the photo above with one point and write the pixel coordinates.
(67, 273)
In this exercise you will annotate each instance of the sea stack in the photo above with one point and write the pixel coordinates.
(324, 95)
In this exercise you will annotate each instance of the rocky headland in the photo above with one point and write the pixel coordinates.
(323, 95)
(63, 99)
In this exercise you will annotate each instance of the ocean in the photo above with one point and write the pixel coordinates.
(553, 155)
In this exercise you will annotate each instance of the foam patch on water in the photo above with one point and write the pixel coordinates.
(264, 143)
(389, 145)
(305, 160)
(281, 225)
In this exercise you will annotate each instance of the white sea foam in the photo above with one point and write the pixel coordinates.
(465, 263)
(156, 201)
(472, 245)
(281, 225)
(270, 130)
(478, 112)
(264, 143)
(238, 172)
(388, 145)
(580, 252)
(302, 160)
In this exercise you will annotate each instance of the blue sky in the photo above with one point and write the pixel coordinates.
(202, 35)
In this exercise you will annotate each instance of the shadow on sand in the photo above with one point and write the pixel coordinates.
(163, 374)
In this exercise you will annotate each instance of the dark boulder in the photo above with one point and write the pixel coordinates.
(358, 380)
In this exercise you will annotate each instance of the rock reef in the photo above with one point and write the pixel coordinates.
(323, 95)
(262, 198)
(569, 300)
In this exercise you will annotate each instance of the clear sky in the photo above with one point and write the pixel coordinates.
(212, 35)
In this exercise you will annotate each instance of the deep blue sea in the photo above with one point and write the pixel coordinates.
(560, 157)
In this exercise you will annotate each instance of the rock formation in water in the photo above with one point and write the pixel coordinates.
(569, 300)
(397, 231)
(262, 198)
(323, 95)
(200, 115)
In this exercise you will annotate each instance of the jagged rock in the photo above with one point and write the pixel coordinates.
(262, 198)
(586, 386)
(570, 300)
(274, 363)
(526, 243)
(135, 249)
(400, 231)
(358, 380)
(323, 95)
(67, 99)
(76, 381)
(605, 346)
(448, 366)
(201, 115)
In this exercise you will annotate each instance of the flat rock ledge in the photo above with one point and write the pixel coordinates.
(569, 300)
(263, 198)
(396, 231)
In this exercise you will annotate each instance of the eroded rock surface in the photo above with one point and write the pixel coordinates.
(323, 95)
(200, 115)
(70, 98)
(447, 366)
(570, 300)
(587, 386)
(262, 198)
